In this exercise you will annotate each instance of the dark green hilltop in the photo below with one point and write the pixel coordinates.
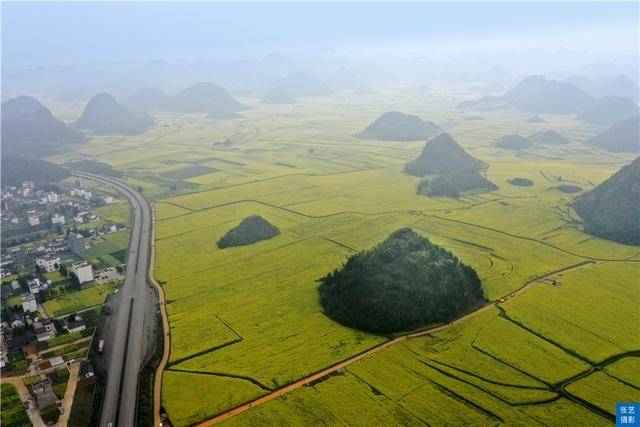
(403, 283)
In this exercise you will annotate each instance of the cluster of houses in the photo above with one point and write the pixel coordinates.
(32, 206)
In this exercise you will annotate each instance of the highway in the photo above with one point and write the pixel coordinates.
(124, 332)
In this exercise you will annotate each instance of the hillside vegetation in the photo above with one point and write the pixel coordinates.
(441, 156)
(403, 283)
(612, 209)
(17, 169)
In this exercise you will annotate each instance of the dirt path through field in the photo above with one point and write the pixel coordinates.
(32, 411)
(74, 370)
(548, 279)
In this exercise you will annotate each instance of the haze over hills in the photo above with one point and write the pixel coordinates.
(397, 126)
(299, 84)
(278, 95)
(547, 137)
(17, 169)
(540, 95)
(148, 99)
(403, 283)
(612, 209)
(535, 119)
(208, 98)
(609, 110)
(599, 87)
(623, 136)
(28, 127)
(513, 142)
(443, 155)
(103, 116)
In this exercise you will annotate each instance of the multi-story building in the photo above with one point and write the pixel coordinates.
(29, 304)
(48, 263)
(83, 271)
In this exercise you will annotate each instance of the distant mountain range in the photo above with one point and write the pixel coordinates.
(609, 110)
(539, 95)
(301, 84)
(278, 95)
(103, 115)
(397, 126)
(28, 127)
(612, 209)
(623, 136)
(619, 86)
(207, 98)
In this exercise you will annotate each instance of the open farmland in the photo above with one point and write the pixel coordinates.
(247, 320)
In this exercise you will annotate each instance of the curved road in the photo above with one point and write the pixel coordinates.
(124, 334)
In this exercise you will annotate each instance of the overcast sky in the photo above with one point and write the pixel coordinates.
(61, 33)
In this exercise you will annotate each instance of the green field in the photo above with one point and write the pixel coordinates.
(247, 320)
(13, 412)
(89, 296)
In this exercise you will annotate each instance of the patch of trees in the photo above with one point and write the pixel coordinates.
(251, 230)
(521, 182)
(403, 283)
(568, 188)
(452, 184)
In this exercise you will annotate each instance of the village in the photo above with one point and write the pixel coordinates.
(63, 253)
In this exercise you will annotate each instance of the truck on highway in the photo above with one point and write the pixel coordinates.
(101, 347)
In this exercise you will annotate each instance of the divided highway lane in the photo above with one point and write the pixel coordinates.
(124, 339)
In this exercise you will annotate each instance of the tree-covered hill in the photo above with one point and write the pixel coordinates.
(397, 126)
(624, 136)
(29, 128)
(403, 283)
(103, 115)
(612, 209)
(609, 110)
(251, 230)
(443, 155)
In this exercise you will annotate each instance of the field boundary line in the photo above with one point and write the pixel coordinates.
(341, 365)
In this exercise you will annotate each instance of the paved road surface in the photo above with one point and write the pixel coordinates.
(125, 329)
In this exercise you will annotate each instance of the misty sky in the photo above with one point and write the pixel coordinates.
(62, 33)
